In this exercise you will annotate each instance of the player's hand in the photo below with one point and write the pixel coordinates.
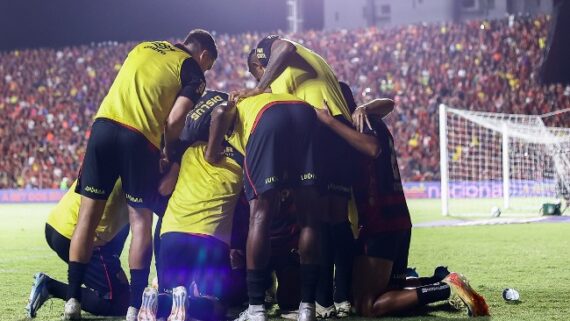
(323, 114)
(234, 94)
(163, 164)
(244, 93)
(237, 259)
(359, 118)
(167, 183)
(231, 103)
(213, 156)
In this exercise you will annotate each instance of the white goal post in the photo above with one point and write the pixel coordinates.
(507, 163)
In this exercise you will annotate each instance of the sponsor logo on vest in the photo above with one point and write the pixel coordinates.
(160, 47)
(229, 152)
(205, 106)
(133, 199)
(94, 190)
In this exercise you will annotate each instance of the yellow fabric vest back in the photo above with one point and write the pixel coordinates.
(312, 88)
(145, 88)
(205, 196)
(63, 218)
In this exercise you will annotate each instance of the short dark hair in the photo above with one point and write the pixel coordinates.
(251, 58)
(204, 39)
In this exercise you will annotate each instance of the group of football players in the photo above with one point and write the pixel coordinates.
(287, 185)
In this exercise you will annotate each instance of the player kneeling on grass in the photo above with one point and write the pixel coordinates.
(196, 227)
(106, 291)
(379, 278)
(275, 132)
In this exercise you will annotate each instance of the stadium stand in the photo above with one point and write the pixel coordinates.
(48, 96)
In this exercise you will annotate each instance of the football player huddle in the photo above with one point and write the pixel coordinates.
(287, 192)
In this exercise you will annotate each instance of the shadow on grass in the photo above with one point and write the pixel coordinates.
(420, 313)
(517, 302)
(426, 312)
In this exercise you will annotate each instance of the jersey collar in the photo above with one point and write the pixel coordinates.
(183, 48)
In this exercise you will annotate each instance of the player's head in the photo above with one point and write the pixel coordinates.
(254, 65)
(202, 47)
(348, 97)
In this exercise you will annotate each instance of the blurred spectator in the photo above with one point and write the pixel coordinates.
(48, 97)
(64, 184)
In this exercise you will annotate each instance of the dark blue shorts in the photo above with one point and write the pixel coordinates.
(186, 258)
(280, 152)
(104, 273)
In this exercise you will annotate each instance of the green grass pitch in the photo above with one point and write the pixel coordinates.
(532, 258)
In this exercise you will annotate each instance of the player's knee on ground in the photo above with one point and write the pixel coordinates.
(372, 307)
(363, 305)
(382, 306)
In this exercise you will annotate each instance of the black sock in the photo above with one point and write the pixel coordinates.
(75, 277)
(57, 289)
(139, 281)
(325, 288)
(256, 285)
(344, 246)
(309, 279)
(433, 293)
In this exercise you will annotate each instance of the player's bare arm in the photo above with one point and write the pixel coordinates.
(222, 118)
(365, 144)
(379, 107)
(168, 182)
(281, 52)
(175, 123)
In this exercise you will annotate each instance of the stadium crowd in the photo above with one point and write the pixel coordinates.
(48, 97)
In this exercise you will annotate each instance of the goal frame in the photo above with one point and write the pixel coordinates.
(444, 166)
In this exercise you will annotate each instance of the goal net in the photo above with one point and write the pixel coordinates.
(492, 161)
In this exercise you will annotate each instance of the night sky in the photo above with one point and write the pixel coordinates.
(54, 23)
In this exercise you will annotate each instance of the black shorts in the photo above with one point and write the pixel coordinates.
(336, 159)
(185, 258)
(104, 273)
(280, 150)
(115, 150)
(392, 246)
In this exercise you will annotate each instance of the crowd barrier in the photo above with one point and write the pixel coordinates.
(30, 195)
(413, 190)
